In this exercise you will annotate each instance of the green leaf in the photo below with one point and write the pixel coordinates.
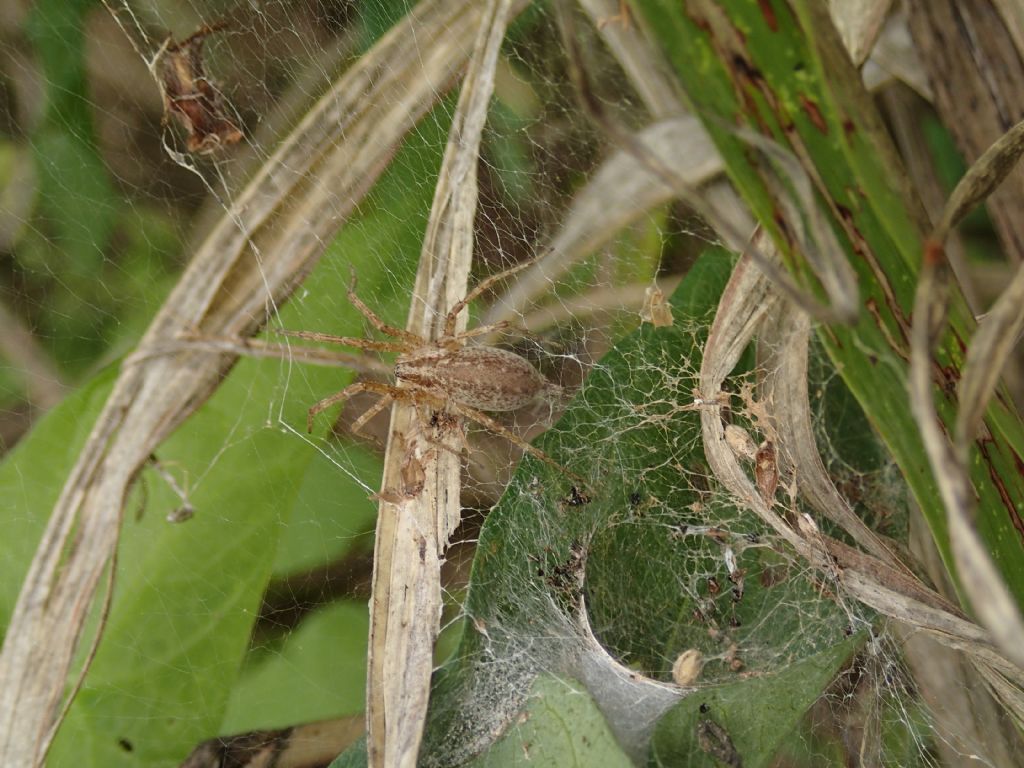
(319, 532)
(637, 549)
(559, 726)
(185, 594)
(318, 672)
(31, 478)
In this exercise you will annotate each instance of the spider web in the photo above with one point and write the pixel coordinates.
(242, 576)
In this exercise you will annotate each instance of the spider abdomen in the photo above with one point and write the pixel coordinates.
(485, 378)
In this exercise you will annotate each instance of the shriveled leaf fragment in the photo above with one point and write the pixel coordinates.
(656, 309)
(687, 666)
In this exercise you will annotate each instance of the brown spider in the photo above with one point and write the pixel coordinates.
(444, 374)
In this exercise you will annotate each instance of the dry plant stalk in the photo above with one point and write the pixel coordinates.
(419, 500)
(293, 205)
(784, 338)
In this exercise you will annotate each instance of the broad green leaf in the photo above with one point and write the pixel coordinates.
(186, 594)
(559, 726)
(317, 673)
(31, 478)
(319, 531)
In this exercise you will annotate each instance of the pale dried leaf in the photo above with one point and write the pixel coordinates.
(999, 331)
(859, 22)
(782, 352)
(820, 246)
(656, 309)
(617, 194)
(982, 178)
(647, 74)
(894, 57)
(740, 442)
(991, 346)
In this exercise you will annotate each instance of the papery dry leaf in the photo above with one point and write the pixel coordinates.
(740, 441)
(192, 98)
(766, 471)
(413, 530)
(656, 309)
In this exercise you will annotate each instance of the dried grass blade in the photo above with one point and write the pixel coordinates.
(784, 171)
(990, 599)
(1000, 329)
(747, 300)
(784, 389)
(981, 179)
(420, 506)
(993, 342)
(286, 213)
(648, 74)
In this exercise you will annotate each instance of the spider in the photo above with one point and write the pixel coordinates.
(445, 374)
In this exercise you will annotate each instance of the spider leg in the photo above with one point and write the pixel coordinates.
(244, 346)
(352, 389)
(483, 285)
(380, 325)
(373, 410)
(490, 424)
(481, 330)
(350, 341)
